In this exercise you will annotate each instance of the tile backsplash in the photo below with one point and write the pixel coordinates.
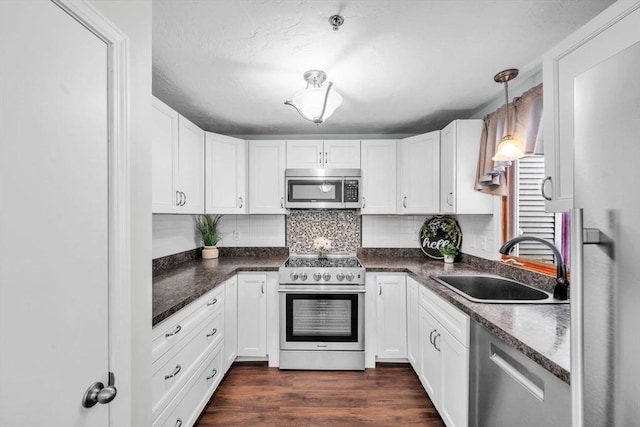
(341, 227)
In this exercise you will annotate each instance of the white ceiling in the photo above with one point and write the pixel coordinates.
(402, 66)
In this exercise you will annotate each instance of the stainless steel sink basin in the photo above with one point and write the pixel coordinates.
(496, 289)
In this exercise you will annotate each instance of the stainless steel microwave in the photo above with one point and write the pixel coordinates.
(323, 189)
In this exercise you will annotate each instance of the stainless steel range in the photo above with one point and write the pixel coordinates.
(322, 312)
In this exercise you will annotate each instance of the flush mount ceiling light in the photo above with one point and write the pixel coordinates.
(316, 103)
(509, 149)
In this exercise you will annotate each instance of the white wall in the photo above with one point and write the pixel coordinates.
(133, 18)
(178, 233)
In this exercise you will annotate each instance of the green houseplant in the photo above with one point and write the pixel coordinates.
(208, 227)
(449, 252)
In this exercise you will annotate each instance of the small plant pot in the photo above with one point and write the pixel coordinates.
(210, 252)
(448, 259)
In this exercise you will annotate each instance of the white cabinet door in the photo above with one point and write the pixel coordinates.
(459, 149)
(413, 325)
(392, 318)
(608, 34)
(225, 174)
(305, 154)
(164, 155)
(252, 315)
(454, 392)
(230, 322)
(342, 154)
(267, 162)
(430, 360)
(379, 176)
(419, 171)
(190, 167)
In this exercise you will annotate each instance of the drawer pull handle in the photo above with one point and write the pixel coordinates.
(518, 376)
(212, 302)
(175, 331)
(212, 333)
(213, 374)
(179, 422)
(174, 373)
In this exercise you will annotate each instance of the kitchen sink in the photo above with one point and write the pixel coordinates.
(495, 289)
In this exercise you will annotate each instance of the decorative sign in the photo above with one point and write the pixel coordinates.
(437, 232)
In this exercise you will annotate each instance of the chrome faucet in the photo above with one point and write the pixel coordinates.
(562, 284)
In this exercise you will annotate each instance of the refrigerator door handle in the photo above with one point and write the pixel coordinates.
(578, 234)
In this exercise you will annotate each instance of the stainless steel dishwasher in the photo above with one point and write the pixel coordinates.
(508, 389)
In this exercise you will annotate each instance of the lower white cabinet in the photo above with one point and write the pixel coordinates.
(391, 316)
(252, 314)
(413, 325)
(230, 321)
(188, 359)
(444, 357)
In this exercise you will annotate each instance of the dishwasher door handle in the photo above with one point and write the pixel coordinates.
(514, 373)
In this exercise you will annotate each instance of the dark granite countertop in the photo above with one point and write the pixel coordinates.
(176, 287)
(541, 332)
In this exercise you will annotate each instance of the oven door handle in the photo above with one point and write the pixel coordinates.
(321, 291)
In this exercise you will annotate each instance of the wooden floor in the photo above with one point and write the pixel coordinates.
(251, 395)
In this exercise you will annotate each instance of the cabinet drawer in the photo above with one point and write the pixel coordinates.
(185, 409)
(174, 368)
(172, 331)
(455, 321)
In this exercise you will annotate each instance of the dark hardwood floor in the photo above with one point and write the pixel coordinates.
(253, 395)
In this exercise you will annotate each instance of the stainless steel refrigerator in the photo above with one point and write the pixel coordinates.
(605, 243)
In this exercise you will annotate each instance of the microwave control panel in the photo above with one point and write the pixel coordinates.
(351, 190)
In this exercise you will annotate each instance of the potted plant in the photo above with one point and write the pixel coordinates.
(449, 252)
(208, 226)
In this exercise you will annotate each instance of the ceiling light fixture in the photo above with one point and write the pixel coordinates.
(509, 149)
(316, 103)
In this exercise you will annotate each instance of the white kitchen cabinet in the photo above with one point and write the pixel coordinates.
(444, 357)
(391, 316)
(379, 176)
(344, 154)
(267, 163)
(182, 346)
(413, 325)
(252, 314)
(609, 33)
(459, 149)
(177, 162)
(419, 174)
(230, 321)
(225, 174)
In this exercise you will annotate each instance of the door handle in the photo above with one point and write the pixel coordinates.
(431, 337)
(320, 157)
(326, 158)
(450, 199)
(241, 202)
(404, 202)
(178, 198)
(98, 393)
(435, 337)
(281, 202)
(184, 198)
(364, 202)
(262, 287)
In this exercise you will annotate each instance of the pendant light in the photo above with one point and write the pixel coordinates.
(316, 103)
(509, 149)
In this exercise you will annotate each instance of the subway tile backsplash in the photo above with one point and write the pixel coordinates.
(391, 231)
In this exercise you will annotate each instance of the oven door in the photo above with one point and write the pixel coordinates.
(327, 319)
(314, 192)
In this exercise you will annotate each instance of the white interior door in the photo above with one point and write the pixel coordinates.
(54, 217)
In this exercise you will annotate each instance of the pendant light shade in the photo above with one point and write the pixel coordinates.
(509, 149)
(316, 103)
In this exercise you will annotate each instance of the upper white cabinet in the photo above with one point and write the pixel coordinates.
(344, 154)
(459, 148)
(226, 174)
(379, 176)
(267, 162)
(419, 174)
(177, 162)
(605, 36)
